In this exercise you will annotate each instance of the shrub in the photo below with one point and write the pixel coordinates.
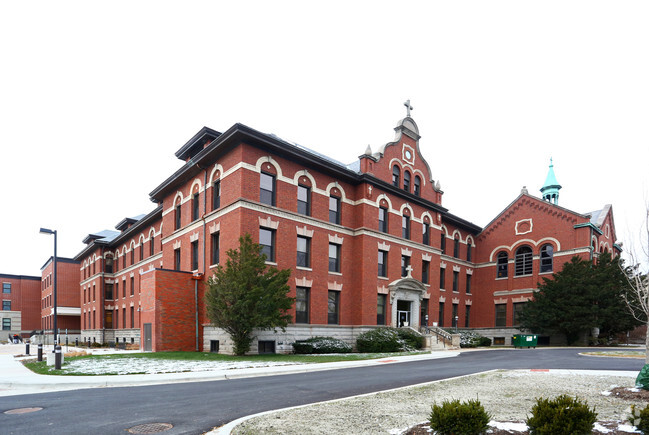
(321, 345)
(473, 339)
(561, 415)
(639, 417)
(412, 339)
(455, 417)
(389, 340)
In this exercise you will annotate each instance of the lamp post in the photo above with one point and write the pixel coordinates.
(47, 231)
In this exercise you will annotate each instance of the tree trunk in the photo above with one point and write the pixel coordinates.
(646, 343)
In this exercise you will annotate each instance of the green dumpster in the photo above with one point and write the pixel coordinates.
(523, 340)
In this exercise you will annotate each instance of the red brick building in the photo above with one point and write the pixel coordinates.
(68, 309)
(394, 254)
(20, 298)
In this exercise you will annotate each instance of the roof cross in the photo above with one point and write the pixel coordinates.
(409, 269)
(408, 107)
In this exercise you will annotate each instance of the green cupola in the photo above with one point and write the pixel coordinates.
(550, 189)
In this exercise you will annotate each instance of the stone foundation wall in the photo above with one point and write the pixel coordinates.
(284, 340)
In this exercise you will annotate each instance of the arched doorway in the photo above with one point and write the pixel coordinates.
(406, 295)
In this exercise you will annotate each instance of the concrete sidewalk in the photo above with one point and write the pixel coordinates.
(16, 379)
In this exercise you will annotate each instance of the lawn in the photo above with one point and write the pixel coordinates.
(173, 362)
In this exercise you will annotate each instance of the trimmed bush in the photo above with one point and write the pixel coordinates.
(473, 339)
(562, 415)
(389, 340)
(321, 345)
(459, 418)
(639, 417)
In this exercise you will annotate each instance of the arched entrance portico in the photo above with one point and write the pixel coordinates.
(406, 295)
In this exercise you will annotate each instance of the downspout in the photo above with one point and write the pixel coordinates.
(103, 299)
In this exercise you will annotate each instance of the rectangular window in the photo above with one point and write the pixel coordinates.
(425, 239)
(333, 307)
(301, 305)
(216, 195)
(6, 305)
(94, 288)
(334, 210)
(501, 315)
(456, 281)
(6, 287)
(304, 200)
(177, 259)
(442, 278)
(123, 289)
(334, 257)
(454, 317)
(383, 219)
(405, 227)
(195, 255)
(195, 206)
(116, 318)
(116, 291)
(132, 286)
(267, 242)
(467, 315)
(267, 189)
(215, 247)
(6, 324)
(132, 317)
(380, 309)
(468, 284)
(383, 263)
(303, 251)
(108, 292)
(405, 262)
(177, 217)
(441, 314)
(124, 317)
(516, 314)
(425, 268)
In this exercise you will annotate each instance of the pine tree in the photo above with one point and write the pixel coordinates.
(580, 297)
(247, 295)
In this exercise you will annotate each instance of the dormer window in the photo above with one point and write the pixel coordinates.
(406, 181)
(396, 176)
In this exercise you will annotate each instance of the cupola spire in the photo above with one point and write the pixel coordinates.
(550, 189)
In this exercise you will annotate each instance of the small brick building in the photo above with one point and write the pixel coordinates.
(394, 254)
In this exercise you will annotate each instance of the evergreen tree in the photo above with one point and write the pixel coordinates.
(247, 294)
(580, 297)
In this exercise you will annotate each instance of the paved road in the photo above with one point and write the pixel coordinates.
(193, 408)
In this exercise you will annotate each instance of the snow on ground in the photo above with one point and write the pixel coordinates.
(125, 366)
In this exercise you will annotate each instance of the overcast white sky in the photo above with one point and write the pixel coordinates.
(95, 98)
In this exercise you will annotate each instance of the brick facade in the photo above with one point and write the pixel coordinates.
(157, 285)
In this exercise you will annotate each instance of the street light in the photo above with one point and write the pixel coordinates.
(47, 231)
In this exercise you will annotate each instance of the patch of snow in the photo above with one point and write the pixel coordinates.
(605, 393)
(520, 427)
(125, 366)
(627, 428)
(600, 428)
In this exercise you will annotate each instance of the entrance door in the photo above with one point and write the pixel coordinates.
(403, 313)
(147, 337)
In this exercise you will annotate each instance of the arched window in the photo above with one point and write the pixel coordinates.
(396, 175)
(502, 265)
(468, 249)
(456, 246)
(547, 252)
(406, 181)
(523, 261)
(417, 186)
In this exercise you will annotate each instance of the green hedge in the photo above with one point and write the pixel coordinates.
(321, 345)
(389, 340)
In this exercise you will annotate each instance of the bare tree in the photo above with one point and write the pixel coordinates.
(637, 295)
